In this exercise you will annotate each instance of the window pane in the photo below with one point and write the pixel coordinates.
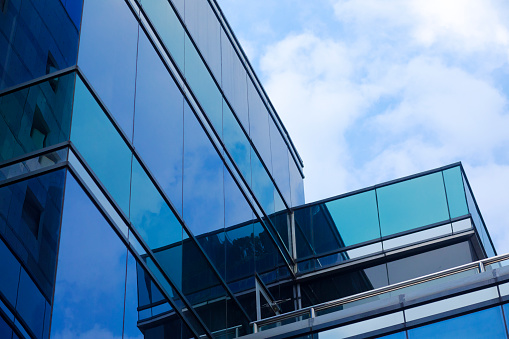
(430, 262)
(168, 27)
(90, 284)
(259, 125)
(9, 266)
(281, 171)
(107, 56)
(205, 29)
(296, 183)
(203, 179)
(455, 192)
(37, 38)
(101, 145)
(483, 324)
(36, 117)
(412, 203)
(31, 304)
(234, 80)
(203, 87)
(132, 290)
(236, 143)
(355, 218)
(158, 134)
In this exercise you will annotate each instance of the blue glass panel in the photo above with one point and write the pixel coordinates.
(206, 32)
(31, 304)
(36, 117)
(262, 186)
(203, 86)
(467, 326)
(100, 144)
(150, 215)
(158, 125)
(259, 125)
(131, 300)
(281, 171)
(399, 335)
(90, 283)
(37, 38)
(203, 179)
(168, 27)
(506, 313)
(107, 56)
(5, 329)
(234, 80)
(296, 183)
(9, 267)
(355, 217)
(455, 192)
(236, 143)
(412, 203)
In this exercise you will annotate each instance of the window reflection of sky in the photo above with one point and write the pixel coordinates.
(89, 291)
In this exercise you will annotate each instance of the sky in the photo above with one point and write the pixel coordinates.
(373, 90)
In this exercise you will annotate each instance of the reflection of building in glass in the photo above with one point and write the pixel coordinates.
(149, 189)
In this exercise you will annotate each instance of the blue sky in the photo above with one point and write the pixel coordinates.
(375, 90)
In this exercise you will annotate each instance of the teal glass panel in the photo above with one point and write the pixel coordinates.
(355, 217)
(203, 86)
(100, 144)
(455, 192)
(107, 56)
(36, 117)
(150, 215)
(168, 27)
(412, 203)
(236, 143)
(466, 326)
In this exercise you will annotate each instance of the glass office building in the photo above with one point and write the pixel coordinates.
(148, 189)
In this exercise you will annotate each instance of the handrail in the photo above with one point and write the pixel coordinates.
(311, 310)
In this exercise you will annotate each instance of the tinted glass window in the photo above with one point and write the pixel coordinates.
(159, 129)
(100, 144)
(430, 262)
(203, 179)
(466, 326)
(168, 27)
(37, 38)
(107, 56)
(9, 266)
(412, 203)
(31, 304)
(259, 125)
(281, 170)
(296, 183)
(455, 192)
(35, 117)
(90, 285)
(236, 143)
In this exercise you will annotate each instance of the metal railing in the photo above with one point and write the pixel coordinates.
(379, 293)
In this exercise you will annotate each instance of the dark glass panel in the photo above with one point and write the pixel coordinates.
(296, 183)
(133, 289)
(37, 38)
(100, 144)
(168, 27)
(31, 304)
(412, 203)
(206, 32)
(158, 124)
(281, 171)
(107, 56)
(466, 326)
(203, 197)
(201, 83)
(240, 259)
(266, 253)
(259, 125)
(343, 284)
(429, 262)
(234, 80)
(9, 266)
(35, 117)
(29, 222)
(455, 192)
(90, 283)
(5, 329)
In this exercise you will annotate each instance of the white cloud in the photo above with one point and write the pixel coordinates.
(411, 87)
